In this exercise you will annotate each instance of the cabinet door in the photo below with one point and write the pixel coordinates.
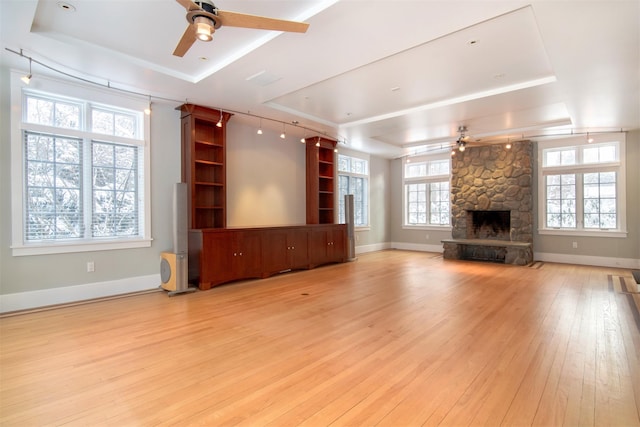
(337, 248)
(247, 255)
(298, 249)
(318, 247)
(275, 251)
(216, 259)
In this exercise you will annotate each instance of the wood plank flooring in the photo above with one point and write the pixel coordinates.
(394, 339)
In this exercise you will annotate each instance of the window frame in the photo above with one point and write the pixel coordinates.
(50, 88)
(428, 179)
(349, 174)
(579, 169)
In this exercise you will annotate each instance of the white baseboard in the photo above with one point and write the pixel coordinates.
(372, 248)
(69, 294)
(588, 260)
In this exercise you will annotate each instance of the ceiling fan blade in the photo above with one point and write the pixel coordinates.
(235, 19)
(188, 38)
(189, 5)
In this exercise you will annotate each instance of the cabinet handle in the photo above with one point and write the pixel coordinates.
(240, 253)
(293, 247)
(235, 254)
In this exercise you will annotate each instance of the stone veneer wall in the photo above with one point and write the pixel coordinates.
(494, 178)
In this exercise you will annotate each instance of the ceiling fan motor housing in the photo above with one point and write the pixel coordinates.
(207, 6)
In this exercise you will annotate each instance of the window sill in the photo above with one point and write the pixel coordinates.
(583, 233)
(71, 247)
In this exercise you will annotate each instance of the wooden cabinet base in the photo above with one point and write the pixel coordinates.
(218, 256)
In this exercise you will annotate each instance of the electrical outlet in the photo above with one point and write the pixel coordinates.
(575, 245)
(91, 267)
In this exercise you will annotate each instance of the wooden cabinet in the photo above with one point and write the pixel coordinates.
(222, 255)
(203, 164)
(327, 245)
(285, 249)
(321, 180)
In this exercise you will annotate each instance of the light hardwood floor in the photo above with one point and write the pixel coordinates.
(396, 338)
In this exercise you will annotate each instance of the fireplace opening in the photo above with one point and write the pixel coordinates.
(494, 225)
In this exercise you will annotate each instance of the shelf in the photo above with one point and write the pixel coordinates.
(321, 175)
(203, 164)
(210, 184)
(208, 162)
(211, 144)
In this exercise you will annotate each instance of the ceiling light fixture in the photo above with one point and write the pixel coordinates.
(318, 143)
(27, 79)
(219, 124)
(589, 138)
(67, 7)
(204, 28)
(260, 127)
(461, 139)
(283, 135)
(147, 110)
(508, 146)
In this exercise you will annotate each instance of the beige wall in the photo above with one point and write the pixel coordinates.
(622, 252)
(591, 249)
(265, 186)
(32, 273)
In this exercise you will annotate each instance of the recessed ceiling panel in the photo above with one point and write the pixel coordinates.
(501, 54)
(147, 32)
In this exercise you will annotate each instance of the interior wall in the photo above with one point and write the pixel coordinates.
(265, 178)
(31, 273)
(378, 234)
(422, 238)
(609, 251)
(265, 187)
(624, 251)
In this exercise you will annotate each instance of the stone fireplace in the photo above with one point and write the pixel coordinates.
(492, 204)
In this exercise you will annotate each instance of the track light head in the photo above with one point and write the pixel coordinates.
(27, 79)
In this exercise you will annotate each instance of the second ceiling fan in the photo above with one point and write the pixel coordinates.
(204, 18)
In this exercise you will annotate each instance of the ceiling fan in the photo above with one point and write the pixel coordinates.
(204, 18)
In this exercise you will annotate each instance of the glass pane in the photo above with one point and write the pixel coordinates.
(39, 147)
(343, 163)
(568, 157)
(115, 190)
(552, 158)
(39, 111)
(125, 125)
(103, 154)
(608, 221)
(67, 116)
(102, 122)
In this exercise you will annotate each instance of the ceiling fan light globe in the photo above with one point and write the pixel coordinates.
(204, 28)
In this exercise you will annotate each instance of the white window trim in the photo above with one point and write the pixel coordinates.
(368, 178)
(54, 87)
(419, 180)
(619, 166)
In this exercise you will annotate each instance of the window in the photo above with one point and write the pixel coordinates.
(582, 186)
(353, 178)
(79, 170)
(426, 191)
